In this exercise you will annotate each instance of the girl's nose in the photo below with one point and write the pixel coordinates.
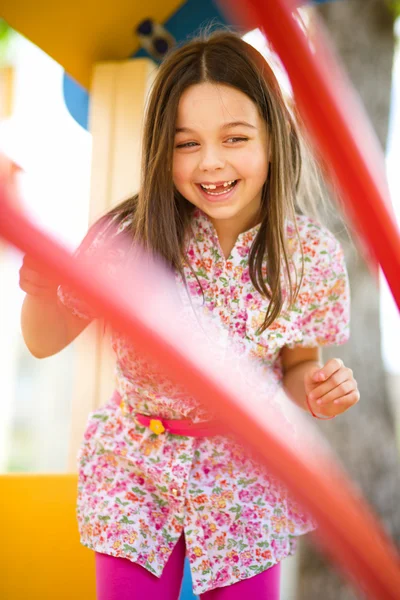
(211, 159)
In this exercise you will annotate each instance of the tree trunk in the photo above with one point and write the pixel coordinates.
(364, 437)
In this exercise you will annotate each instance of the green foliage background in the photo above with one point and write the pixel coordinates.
(6, 36)
(394, 6)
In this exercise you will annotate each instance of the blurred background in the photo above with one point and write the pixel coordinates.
(45, 131)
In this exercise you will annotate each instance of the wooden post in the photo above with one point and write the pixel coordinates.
(118, 98)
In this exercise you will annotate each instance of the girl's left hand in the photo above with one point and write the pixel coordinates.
(331, 390)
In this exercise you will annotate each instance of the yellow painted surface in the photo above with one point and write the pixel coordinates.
(41, 557)
(79, 33)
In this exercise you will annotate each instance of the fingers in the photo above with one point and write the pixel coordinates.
(34, 280)
(333, 409)
(34, 265)
(34, 290)
(339, 394)
(30, 262)
(348, 400)
(338, 379)
(339, 386)
(35, 268)
(31, 275)
(331, 367)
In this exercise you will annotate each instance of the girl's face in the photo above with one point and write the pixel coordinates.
(221, 154)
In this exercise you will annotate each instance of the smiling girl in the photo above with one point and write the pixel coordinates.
(221, 184)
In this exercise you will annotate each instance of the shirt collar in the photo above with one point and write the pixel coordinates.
(201, 223)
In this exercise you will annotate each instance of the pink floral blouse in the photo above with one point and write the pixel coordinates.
(138, 491)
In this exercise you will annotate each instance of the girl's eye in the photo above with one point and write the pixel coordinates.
(234, 140)
(187, 145)
(238, 139)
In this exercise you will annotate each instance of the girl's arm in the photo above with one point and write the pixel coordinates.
(331, 388)
(47, 326)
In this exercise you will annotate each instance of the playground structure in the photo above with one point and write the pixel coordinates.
(360, 175)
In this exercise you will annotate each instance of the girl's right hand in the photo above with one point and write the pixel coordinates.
(36, 281)
(47, 326)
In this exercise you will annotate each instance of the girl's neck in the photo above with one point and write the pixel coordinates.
(228, 230)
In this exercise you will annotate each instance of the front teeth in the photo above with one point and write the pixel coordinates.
(214, 187)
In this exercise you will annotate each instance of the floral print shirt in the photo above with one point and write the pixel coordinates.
(139, 492)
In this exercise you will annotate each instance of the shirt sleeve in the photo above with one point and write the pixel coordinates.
(323, 304)
(96, 238)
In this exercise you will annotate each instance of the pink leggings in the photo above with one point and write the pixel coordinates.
(120, 579)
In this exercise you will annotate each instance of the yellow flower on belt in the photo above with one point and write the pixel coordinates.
(156, 426)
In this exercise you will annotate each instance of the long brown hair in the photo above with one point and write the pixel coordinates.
(160, 214)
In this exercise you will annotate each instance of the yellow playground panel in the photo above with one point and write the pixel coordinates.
(77, 34)
(41, 556)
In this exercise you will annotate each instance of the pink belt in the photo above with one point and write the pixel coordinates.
(183, 427)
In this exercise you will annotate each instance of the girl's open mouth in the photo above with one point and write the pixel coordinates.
(218, 192)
